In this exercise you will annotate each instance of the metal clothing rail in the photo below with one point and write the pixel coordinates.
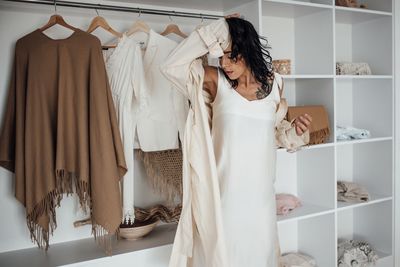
(119, 8)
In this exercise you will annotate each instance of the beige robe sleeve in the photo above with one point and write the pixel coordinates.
(200, 230)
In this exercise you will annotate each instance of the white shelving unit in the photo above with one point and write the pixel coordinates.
(314, 34)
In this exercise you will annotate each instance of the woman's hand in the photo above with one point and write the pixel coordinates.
(302, 123)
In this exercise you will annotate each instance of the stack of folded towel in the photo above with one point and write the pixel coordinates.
(355, 253)
(285, 203)
(351, 192)
(350, 133)
(293, 259)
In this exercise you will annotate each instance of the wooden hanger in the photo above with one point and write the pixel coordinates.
(99, 21)
(57, 19)
(138, 26)
(173, 28)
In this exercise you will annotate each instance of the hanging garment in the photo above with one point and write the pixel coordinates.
(200, 229)
(162, 121)
(243, 134)
(285, 203)
(128, 87)
(355, 253)
(60, 132)
(351, 192)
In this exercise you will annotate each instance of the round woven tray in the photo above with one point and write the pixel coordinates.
(139, 231)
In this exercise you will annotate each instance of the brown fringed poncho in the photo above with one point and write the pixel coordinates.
(60, 133)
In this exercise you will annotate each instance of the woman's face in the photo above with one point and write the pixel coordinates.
(232, 68)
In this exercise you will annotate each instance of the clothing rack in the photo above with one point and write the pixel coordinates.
(119, 8)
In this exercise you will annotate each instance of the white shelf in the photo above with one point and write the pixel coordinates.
(291, 9)
(374, 198)
(348, 15)
(307, 210)
(308, 147)
(370, 223)
(367, 140)
(86, 250)
(306, 76)
(212, 6)
(363, 76)
(300, 3)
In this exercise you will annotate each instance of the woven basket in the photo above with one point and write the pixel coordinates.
(134, 233)
(281, 66)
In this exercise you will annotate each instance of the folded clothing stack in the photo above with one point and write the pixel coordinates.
(285, 203)
(351, 192)
(355, 253)
(293, 259)
(352, 68)
(349, 133)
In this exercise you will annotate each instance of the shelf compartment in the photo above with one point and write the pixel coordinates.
(309, 175)
(372, 223)
(292, 33)
(368, 164)
(366, 104)
(312, 236)
(359, 42)
(357, 15)
(300, 92)
(373, 6)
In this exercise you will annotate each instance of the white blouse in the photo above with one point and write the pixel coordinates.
(128, 87)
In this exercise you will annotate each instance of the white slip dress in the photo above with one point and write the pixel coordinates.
(243, 135)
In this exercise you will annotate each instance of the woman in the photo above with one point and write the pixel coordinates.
(244, 95)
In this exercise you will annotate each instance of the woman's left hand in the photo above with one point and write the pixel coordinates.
(302, 123)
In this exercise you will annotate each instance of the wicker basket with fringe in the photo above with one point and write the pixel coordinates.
(164, 171)
(281, 66)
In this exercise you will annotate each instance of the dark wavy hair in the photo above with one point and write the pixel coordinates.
(246, 43)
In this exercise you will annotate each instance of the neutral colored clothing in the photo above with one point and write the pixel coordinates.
(351, 192)
(163, 120)
(285, 203)
(200, 231)
(350, 133)
(356, 253)
(128, 87)
(60, 132)
(245, 151)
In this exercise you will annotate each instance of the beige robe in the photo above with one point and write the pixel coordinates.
(200, 225)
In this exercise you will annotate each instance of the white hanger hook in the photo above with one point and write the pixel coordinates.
(140, 12)
(97, 12)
